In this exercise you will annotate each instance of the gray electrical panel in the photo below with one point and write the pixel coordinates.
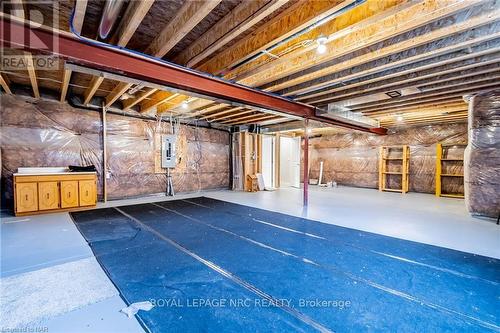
(168, 155)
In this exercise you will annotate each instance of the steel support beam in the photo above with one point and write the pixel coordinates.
(306, 162)
(137, 66)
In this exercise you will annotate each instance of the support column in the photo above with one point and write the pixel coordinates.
(306, 162)
(104, 155)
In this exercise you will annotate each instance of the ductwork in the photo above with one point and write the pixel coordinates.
(110, 13)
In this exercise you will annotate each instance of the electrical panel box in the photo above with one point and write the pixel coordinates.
(168, 153)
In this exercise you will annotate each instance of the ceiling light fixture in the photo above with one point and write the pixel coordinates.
(399, 118)
(185, 105)
(321, 48)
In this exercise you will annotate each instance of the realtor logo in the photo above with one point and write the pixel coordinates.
(38, 13)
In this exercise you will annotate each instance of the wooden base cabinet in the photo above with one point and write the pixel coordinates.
(69, 194)
(26, 198)
(45, 193)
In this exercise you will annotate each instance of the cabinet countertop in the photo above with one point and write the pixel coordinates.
(55, 173)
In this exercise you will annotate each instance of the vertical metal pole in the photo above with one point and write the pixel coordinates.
(306, 162)
(104, 155)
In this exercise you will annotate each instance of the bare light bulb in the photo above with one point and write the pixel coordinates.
(185, 105)
(321, 49)
(399, 118)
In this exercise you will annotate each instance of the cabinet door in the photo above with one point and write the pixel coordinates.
(88, 194)
(48, 195)
(26, 197)
(69, 193)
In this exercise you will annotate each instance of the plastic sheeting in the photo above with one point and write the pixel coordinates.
(49, 133)
(351, 158)
(482, 157)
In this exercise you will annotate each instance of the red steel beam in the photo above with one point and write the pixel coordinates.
(306, 163)
(14, 34)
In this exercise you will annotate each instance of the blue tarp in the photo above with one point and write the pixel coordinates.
(210, 265)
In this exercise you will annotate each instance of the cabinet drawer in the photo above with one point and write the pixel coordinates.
(69, 193)
(87, 192)
(48, 195)
(26, 197)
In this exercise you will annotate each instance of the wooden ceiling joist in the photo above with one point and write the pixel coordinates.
(18, 11)
(353, 20)
(4, 82)
(464, 77)
(390, 69)
(433, 101)
(240, 19)
(418, 15)
(78, 18)
(117, 92)
(409, 72)
(385, 52)
(216, 115)
(135, 13)
(157, 98)
(289, 22)
(191, 13)
(432, 95)
(130, 102)
(92, 88)
(419, 110)
(252, 119)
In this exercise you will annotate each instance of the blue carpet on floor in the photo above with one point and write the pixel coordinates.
(209, 265)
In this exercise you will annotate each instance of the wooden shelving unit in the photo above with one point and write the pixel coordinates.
(442, 159)
(388, 157)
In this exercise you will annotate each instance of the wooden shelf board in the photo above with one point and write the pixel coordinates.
(391, 190)
(392, 173)
(452, 159)
(450, 175)
(393, 158)
(452, 195)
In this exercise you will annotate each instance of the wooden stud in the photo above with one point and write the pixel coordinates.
(439, 156)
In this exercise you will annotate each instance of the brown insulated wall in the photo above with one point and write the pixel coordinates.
(49, 133)
(482, 158)
(351, 157)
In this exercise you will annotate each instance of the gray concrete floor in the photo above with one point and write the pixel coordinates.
(35, 242)
(419, 217)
